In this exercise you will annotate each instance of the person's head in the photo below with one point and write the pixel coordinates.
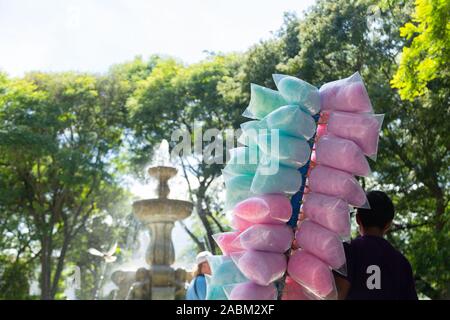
(378, 219)
(202, 263)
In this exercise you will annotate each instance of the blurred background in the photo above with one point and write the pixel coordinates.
(89, 89)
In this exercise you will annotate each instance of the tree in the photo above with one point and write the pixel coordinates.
(424, 63)
(57, 134)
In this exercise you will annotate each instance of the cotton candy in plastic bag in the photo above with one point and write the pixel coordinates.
(263, 101)
(347, 94)
(290, 120)
(251, 291)
(312, 273)
(224, 272)
(298, 92)
(363, 129)
(291, 151)
(237, 188)
(250, 131)
(330, 212)
(323, 243)
(214, 292)
(337, 183)
(260, 267)
(225, 242)
(240, 224)
(266, 208)
(274, 177)
(266, 237)
(294, 291)
(342, 154)
(243, 161)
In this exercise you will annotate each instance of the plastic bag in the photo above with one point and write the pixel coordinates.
(291, 151)
(342, 154)
(331, 213)
(237, 188)
(363, 129)
(260, 267)
(251, 291)
(312, 273)
(243, 161)
(214, 292)
(299, 92)
(347, 94)
(266, 237)
(273, 177)
(224, 272)
(215, 261)
(266, 208)
(263, 101)
(225, 242)
(250, 131)
(323, 243)
(290, 120)
(337, 183)
(294, 291)
(240, 224)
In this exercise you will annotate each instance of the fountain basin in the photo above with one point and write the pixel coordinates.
(161, 210)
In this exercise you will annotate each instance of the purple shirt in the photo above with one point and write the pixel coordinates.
(377, 271)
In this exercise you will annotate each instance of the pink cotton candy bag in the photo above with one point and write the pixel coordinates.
(260, 267)
(347, 94)
(312, 273)
(330, 212)
(323, 243)
(341, 154)
(267, 208)
(265, 237)
(337, 183)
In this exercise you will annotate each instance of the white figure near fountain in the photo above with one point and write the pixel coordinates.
(161, 281)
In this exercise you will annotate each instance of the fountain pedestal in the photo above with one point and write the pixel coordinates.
(159, 216)
(161, 281)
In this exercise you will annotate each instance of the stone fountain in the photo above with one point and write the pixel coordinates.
(160, 281)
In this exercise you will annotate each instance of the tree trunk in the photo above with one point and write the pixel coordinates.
(209, 232)
(60, 265)
(46, 268)
(440, 210)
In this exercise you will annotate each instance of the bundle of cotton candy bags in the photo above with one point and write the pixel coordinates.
(282, 130)
(265, 239)
(347, 132)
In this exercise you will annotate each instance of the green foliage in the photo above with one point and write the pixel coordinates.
(57, 134)
(14, 279)
(425, 61)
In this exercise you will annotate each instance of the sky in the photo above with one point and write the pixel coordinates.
(91, 35)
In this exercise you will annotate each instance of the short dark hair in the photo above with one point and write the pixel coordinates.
(381, 210)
